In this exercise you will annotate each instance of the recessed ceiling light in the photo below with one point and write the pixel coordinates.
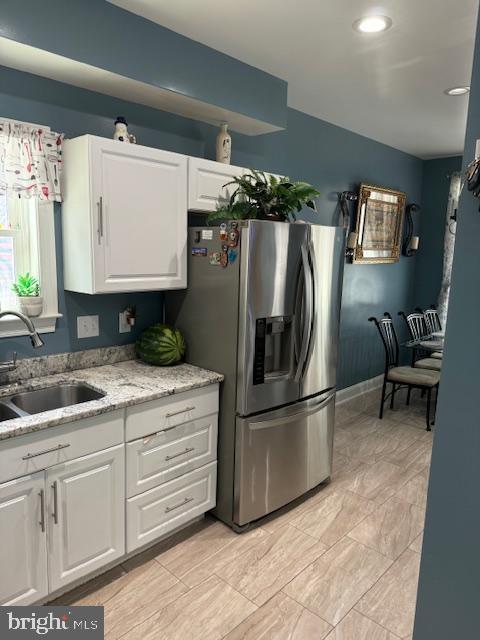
(372, 24)
(457, 91)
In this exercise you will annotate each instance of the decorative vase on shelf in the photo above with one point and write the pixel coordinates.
(224, 144)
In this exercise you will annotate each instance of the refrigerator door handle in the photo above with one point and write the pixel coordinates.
(313, 319)
(307, 320)
(311, 407)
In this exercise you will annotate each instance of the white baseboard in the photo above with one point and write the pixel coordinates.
(358, 389)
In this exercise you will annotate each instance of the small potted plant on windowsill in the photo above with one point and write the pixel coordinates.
(27, 289)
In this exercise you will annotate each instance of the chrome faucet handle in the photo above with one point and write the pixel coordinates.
(9, 365)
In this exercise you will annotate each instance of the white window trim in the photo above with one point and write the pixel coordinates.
(46, 322)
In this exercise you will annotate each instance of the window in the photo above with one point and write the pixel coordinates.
(27, 244)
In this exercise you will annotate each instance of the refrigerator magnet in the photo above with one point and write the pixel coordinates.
(232, 255)
(199, 251)
(223, 232)
(224, 259)
(233, 238)
(214, 259)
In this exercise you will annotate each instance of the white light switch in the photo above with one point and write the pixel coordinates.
(87, 326)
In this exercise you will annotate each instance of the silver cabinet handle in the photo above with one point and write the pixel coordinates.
(55, 503)
(42, 510)
(176, 413)
(182, 453)
(177, 506)
(100, 219)
(41, 453)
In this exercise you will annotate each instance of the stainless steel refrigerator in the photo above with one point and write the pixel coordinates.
(262, 307)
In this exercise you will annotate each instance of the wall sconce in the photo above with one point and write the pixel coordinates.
(345, 197)
(411, 242)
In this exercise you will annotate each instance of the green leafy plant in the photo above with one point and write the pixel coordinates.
(27, 286)
(265, 198)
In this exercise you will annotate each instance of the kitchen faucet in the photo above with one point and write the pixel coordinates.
(37, 342)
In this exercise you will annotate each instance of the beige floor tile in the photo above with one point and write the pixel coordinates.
(391, 602)
(417, 455)
(357, 627)
(390, 528)
(281, 618)
(229, 554)
(332, 585)
(208, 612)
(380, 481)
(333, 517)
(380, 444)
(94, 592)
(415, 490)
(146, 589)
(268, 566)
(191, 549)
(286, 514)
(417, 544)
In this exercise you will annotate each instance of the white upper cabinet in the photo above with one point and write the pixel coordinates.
(23, 549)
(124, 217)
(206, 180)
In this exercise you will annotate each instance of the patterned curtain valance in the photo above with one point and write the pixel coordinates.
(30, 161)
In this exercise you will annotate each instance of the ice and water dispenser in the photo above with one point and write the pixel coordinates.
(273, 348)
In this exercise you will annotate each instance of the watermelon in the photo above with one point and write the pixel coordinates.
(161, 345)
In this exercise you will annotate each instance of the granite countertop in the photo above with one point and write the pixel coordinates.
(124, 384)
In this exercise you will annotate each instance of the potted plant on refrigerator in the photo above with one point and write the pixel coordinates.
(27, 289)
(265, 197)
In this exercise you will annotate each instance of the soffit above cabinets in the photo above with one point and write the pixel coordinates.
(50, 65)
(101, 47)
(386, 86)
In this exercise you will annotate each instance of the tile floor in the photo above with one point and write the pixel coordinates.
(341, 564)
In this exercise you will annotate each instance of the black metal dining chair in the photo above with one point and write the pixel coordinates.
(433, 325)
(417, 330)
(399, 376)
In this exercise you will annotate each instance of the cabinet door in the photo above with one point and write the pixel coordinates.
(140, 200)
(206, 180)
(86, 507)
(23, 548)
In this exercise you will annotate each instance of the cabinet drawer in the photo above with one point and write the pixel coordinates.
(151, 417)
(206, 180)
(159, 458)
(36, 451)
(157, 512)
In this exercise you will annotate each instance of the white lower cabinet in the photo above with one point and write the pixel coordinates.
(86, 515)
(156, 512)
(23, 541)
(76, 498)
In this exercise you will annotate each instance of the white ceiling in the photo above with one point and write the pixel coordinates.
(387, 86)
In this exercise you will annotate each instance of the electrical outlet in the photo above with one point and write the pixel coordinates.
(123, 326)
(87, 326)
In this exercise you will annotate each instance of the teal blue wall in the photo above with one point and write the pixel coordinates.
(435, 188)
(449, 587)
(332, 158)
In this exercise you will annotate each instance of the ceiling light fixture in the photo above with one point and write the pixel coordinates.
(457, 91)
(372, 24)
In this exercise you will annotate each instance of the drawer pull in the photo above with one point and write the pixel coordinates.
(176, 413)
(182, 453)
(42, 510)
(55, 503)
(41, 453)
(177, 506)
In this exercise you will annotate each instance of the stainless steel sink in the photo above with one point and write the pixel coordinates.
(64, 395)
(8, 413)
